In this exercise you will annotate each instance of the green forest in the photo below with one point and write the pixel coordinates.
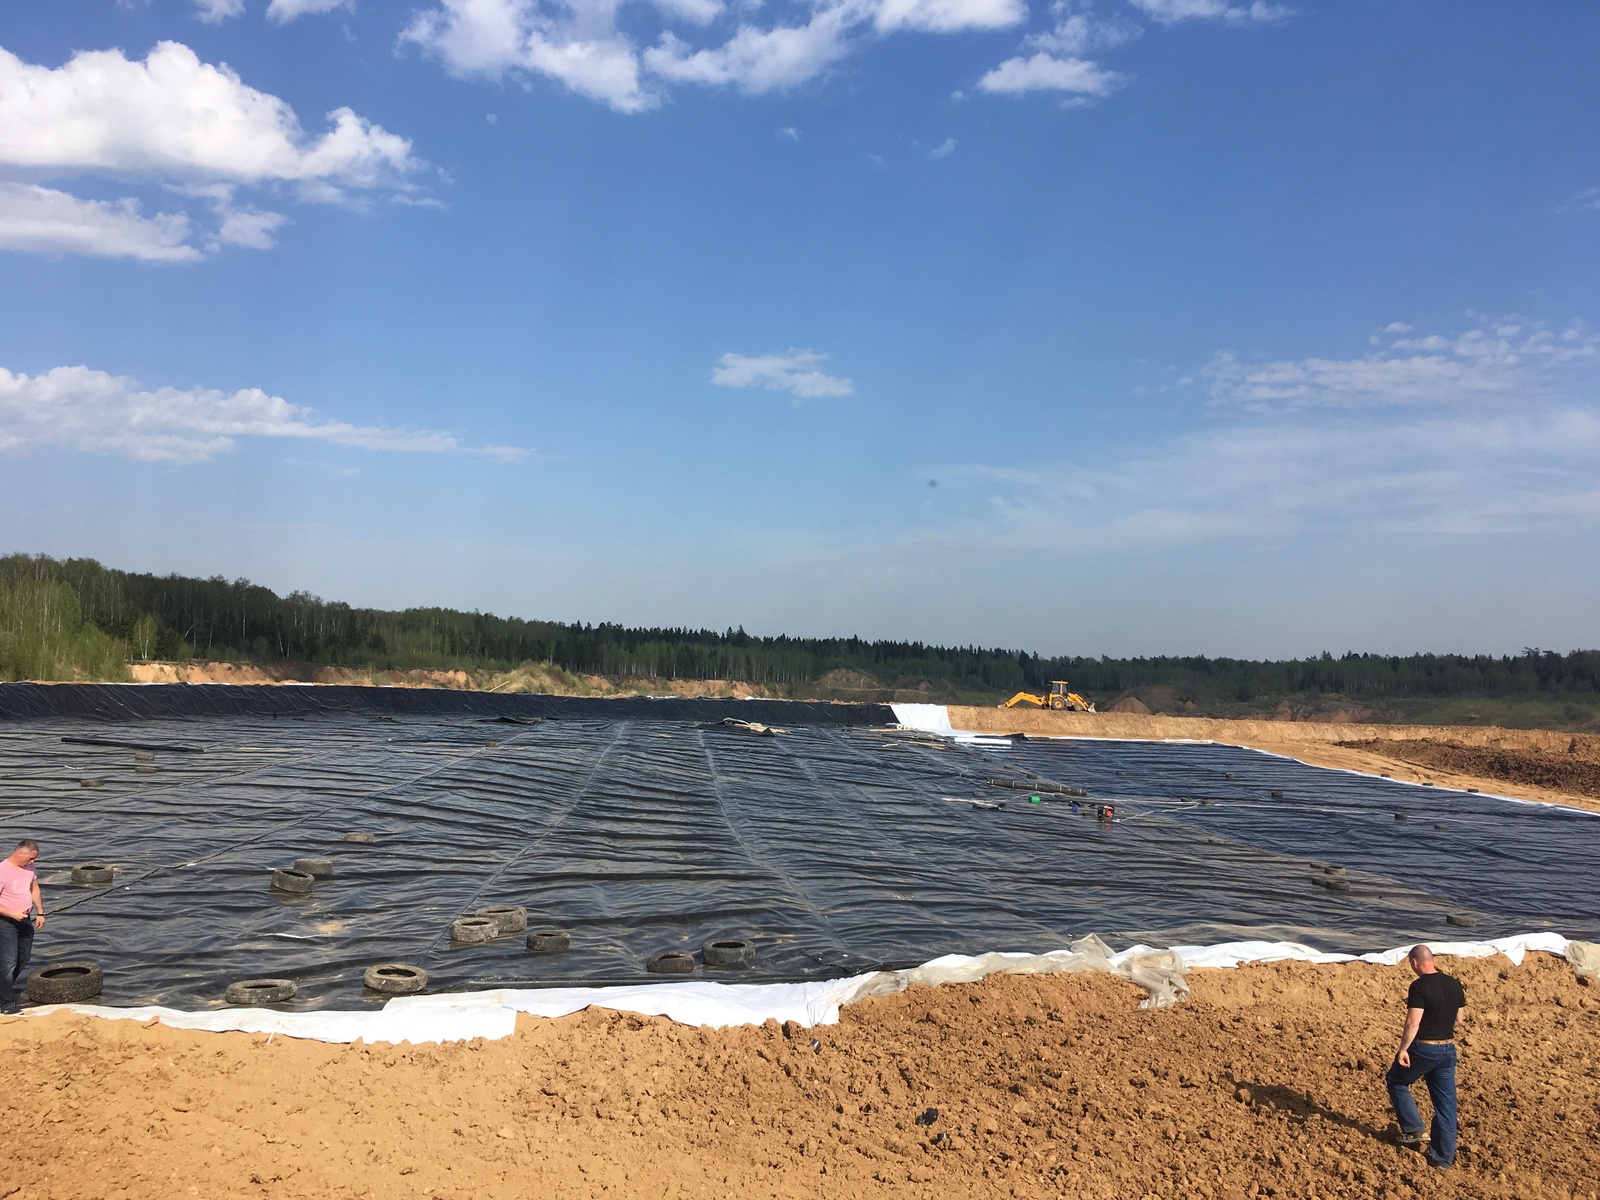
(75, 619)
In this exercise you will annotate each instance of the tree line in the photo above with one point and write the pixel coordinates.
(74, 618)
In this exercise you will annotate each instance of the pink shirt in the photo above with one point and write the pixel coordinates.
(16, 887)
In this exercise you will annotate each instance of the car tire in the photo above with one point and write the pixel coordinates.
(728, 952)
(65, 983)
(511, 918)
(260, 991)
(395, 979)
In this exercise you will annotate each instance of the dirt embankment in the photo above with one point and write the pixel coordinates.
(228, 672)
(540, 678)
(1267, 1083)
(1574, 770)
(1509, 762)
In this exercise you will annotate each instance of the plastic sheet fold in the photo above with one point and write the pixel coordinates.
(841, 850)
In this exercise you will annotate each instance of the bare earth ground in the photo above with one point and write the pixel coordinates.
(1266, 1083)
(1529, 764)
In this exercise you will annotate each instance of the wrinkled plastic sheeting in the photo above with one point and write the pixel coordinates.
(1511, 865)
(1585, 959)
(838, 851)
(1159, 972)
(167, 701)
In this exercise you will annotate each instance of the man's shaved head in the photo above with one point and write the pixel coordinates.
(1420, 955)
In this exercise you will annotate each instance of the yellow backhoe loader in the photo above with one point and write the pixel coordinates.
(1058, 697)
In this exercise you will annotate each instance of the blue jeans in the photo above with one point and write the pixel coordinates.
(1436, 1065)
(16, 947)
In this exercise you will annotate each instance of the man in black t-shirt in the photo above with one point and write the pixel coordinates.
(1428, 1052)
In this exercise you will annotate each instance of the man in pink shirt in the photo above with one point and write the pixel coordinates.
(19, 897)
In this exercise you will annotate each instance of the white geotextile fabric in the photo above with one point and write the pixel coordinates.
(458, 1016)
(928, 718)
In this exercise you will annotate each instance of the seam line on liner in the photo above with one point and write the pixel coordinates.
(572, 805)
(768, 865)
(104, 893)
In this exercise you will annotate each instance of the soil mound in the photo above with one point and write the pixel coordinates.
(1130, 704)
(1576, 770)
(1268, 1083)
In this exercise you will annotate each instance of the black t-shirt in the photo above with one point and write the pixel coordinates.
(1440, 997)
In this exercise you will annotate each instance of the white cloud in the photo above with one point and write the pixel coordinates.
(758, 60)
(1495, 430)
(796, 372)
(214, 12)
(284, 11)
(40, 220)
(1170, 12)
(1078, 34)
(580, 47)
(944, 149)
(174, 117)
(696, 12)
(1589, 199)
(190, 126)
(1296, 473)
(1504, 358)
(948, 16)
(76, 408)
(249, 227)
(580, 43)
(1044, 72)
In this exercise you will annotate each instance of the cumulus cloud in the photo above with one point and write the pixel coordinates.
(175, 117)
(795, 371)
(578, 46)
(41, 220)
(1041, 72)
(176, 121)
(214, 12)
(1508, 357)
(75, 408)
(948, 16)
(582, 45)
(284, 11)
(696, 12)
(1080, 33)
(1170, 12)
(758, 60)
(944, 149)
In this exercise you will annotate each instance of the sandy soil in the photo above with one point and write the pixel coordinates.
(1511, 770)
(226, 672)
(1267, 1083)
(1575, 770)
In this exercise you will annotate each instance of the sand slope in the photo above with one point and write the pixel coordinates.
(1267, 1083)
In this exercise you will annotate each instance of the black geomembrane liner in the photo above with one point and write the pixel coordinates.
(835, 847)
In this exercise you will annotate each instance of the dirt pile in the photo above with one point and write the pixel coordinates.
(1130, 704)
(1268, 1083)
(1569, 771)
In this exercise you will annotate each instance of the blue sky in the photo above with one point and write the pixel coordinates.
(1146, 326)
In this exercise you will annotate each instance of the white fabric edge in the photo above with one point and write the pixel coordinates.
(925, 718)
(460, 1016)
